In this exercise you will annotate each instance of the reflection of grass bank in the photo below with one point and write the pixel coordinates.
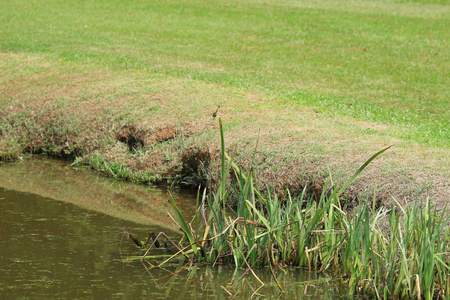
(409, 259)
(54, 179)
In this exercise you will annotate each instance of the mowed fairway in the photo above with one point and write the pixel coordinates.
(324, 82)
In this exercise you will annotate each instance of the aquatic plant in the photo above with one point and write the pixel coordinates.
(411, 259)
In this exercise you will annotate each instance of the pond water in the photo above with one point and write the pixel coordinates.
(61, 238)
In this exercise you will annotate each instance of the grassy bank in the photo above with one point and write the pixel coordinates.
(129, 88)
(382, 62)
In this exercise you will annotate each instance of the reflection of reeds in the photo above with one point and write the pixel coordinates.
(222, 282)
(412, 260)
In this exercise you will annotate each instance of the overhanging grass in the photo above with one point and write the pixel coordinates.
(381, 61)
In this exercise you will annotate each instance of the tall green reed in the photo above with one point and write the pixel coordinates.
(411, 259)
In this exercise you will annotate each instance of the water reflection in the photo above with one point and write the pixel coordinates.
(55, 249)
(57, 180)
(52, 249)
(225, 282)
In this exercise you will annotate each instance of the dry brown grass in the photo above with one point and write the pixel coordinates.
(164, 126)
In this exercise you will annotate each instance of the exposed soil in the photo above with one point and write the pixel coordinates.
(137, 138)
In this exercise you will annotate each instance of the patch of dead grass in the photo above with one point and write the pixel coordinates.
(171, 121)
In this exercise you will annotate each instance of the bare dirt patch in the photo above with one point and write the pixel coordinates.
(130, 135)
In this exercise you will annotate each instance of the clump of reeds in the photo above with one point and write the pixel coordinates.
(410, 260)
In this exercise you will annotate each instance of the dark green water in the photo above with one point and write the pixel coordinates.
(58, 250)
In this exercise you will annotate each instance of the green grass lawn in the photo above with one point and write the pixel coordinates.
(378, 61)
